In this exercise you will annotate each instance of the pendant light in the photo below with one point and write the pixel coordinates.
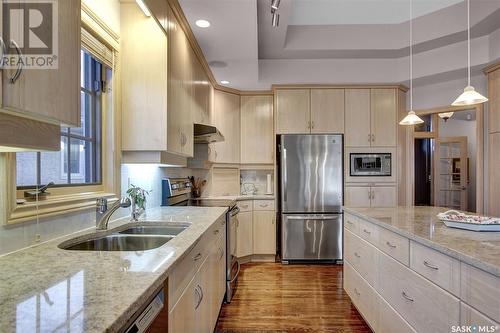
(411, 118)
(470, 96)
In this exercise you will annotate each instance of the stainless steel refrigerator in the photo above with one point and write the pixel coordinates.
(311, 172)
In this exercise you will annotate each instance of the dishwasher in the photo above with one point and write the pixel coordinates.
(148, 315)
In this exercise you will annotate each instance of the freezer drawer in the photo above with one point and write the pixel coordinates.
(311, 237)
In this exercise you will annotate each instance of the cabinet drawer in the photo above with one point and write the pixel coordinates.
(216, 231)
(369, 232)
(481, 290)
(351, 223)
(245, 206)
(394, 245)
(186, 268)
(390, 321)
(470, 316)
(362, 256)
(437, 267)
(263, 205)
(362, 295)
(425, 306)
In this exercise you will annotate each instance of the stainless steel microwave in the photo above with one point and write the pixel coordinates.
(371, 164)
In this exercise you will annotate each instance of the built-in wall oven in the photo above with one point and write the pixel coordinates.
(370, 164)
(177, 192)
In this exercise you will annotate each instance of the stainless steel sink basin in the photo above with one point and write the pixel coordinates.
(169, 230)
(119, 242)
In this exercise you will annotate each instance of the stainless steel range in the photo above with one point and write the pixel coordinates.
(177, 192)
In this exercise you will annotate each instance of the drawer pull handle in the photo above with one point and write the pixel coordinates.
(431, 266)
(390, 245)
(263, 205)
(357, 255)
(406, 297)
(349, 222)
(216, 232)
(357, 292)
(197, 257)
(367, 232)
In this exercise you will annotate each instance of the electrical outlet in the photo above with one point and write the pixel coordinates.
(38, 238)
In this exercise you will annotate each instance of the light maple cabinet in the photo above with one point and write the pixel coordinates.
(144, 83)
(202, 94)
(370, 196)
(264, 232)
(371, 117)
(197, 307)
(383, 117)
(48, 95)
(357, 118)
(327, 111)
(494, 162)
(303, 111)
(244, 242)
(227, 120)
(257, 137)
(293, 111)
(180, 92)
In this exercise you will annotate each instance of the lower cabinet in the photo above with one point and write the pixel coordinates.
(370, 196)
(197, 308)
(264, 232)
(244, 242)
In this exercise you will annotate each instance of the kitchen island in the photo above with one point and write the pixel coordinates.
(407, 272)
(45, 288)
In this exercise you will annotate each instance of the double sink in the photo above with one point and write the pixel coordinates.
(130, 237)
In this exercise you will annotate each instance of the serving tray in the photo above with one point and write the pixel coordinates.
(455, 219)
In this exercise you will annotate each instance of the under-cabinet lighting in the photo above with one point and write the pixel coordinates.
(225, 82)
(143, 7)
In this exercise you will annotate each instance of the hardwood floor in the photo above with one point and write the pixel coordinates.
(272, 297)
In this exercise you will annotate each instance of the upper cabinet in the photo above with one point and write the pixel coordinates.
(48, 94)
(293, 111)
(302, 111)
(383, 117)
(327, 110)
(144, 83)
(180, 89)
(227, 120)
(371, 117)
(257, 130)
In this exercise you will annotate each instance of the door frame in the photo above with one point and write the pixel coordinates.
(410, 148)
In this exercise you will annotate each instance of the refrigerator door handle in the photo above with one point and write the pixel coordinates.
(312, 217)
(285, 180)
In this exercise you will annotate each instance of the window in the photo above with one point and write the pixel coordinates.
(79, 160)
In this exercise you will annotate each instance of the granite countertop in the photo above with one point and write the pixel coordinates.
(478, 249)
(46, 289)
(244, 197)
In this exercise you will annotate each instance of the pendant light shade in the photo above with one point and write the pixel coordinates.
(411, 118)
(446, 115)
(469, 97)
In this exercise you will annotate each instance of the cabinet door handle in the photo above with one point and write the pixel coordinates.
(390, 245)
(357, 292)
(406, 297)
(312, 124)
(373, 137)
(357, 255)
(216, 232)
(349, 222)
(199, 293)
(19, 70)
(197, 257)
(263, 205)
(431, 266)
(367, 232)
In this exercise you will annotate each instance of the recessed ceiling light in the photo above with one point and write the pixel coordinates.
(202, 23)
(224, 82)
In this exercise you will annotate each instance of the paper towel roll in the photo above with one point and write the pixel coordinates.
(269, 185)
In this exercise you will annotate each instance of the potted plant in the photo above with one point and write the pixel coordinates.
(138, 196)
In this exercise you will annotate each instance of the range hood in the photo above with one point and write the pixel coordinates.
(207, 134)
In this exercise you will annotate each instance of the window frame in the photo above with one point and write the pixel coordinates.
(103, 43)
(96, 80)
